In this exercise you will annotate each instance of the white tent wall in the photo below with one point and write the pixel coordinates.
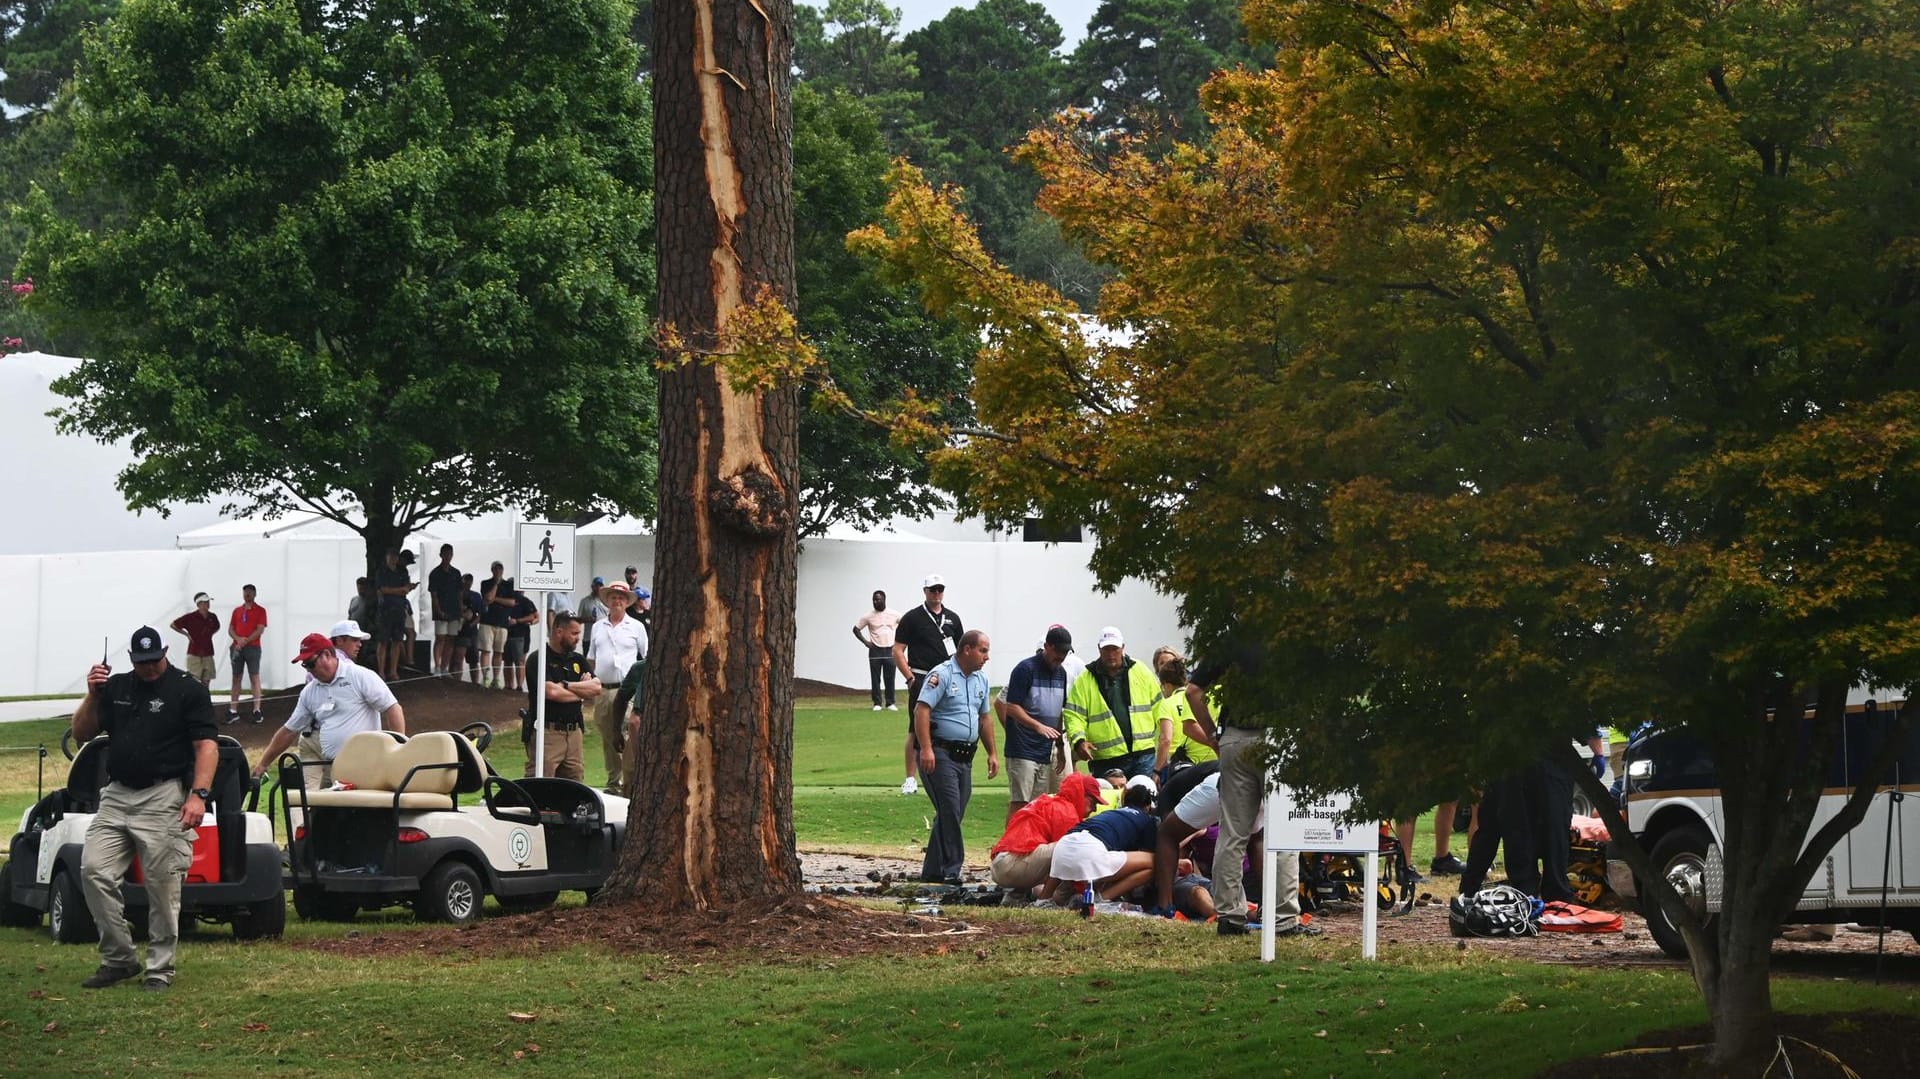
(63, 604)
(1013, 591)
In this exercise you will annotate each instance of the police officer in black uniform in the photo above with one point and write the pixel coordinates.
(160, 764)
(570, 683)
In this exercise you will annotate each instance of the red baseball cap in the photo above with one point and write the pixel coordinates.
(312, 645)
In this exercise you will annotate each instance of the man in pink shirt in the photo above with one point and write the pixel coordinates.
(875, 630)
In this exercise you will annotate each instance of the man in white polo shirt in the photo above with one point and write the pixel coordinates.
(618, 643)
(343, 699)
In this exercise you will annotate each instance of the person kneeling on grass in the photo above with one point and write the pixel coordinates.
(1112, 851)
(1023, 858)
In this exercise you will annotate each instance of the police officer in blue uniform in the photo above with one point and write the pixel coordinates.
(950, 719)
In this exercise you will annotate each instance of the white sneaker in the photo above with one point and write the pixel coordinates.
(893, 708)
(909, 786)
(876, 708)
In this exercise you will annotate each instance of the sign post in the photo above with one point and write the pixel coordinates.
(1318, 825)
(543, 562)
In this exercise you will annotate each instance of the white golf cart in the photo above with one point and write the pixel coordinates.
(234, 877)
(392, 829)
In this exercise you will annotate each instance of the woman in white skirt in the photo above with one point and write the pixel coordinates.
(1112, 851)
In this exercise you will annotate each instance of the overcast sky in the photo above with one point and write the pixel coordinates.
(1072, 15)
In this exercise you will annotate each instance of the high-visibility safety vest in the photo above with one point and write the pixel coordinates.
(1087, 716)
(1175, 709)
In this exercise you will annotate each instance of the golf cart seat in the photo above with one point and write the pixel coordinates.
(86, 775)
(427, 771)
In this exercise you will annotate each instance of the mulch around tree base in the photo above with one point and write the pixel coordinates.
(800, 928)
(1875, 1045)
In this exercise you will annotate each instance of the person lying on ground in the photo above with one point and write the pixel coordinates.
(1190, 803)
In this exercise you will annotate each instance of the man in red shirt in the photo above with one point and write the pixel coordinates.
(1023, 856)
(199, 624)
(245, 628)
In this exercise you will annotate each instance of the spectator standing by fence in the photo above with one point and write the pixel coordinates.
(448, 597)
(245, 627)
(875, 630)
(199, 624)
(618, 643)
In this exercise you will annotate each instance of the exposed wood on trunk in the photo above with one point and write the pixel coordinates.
(711, 770)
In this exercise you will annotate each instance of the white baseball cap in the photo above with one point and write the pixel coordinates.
(349, 629)
(933, 580)
(1144, 781)
(1110, 635)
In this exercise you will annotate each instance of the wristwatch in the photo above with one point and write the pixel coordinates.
(203, 794)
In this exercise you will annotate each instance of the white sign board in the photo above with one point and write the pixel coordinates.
(543, 556)
(1317, 825)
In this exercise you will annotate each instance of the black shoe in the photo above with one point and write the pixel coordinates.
(1448, 866)
(107, 976)
(232, 716)
(1230, 929)
(156, 985)
(259, 716)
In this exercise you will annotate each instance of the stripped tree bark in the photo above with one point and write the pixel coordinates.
(711, 771)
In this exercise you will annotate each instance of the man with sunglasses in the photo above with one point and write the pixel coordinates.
(925, 637)
(160, 763)
(343, 699)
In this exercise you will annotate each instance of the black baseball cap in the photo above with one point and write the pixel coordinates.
(1058, 637)
(146, 645)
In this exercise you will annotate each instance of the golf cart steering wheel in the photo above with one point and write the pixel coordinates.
(66, 742)
(479, 733)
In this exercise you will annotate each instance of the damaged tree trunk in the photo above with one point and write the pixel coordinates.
(711, 770)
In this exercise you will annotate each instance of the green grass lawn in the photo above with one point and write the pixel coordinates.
(1108, 997)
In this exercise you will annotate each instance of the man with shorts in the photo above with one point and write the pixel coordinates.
(448, 597)
(520, 640)
(1036, 695)
(245, 627)
(199, 624)
(394, 586)
(496, 614)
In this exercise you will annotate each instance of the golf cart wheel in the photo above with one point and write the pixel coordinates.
(13, 914)
(266, 918)
(67, 914)
(314, 905)
(1680, 856)
(526, 904)
(451, 893)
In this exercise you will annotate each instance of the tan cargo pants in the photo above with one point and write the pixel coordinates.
(146, 823)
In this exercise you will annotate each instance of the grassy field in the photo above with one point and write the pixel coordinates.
(847, 769)
(1111, 996)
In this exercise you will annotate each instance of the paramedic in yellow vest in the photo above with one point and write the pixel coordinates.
(1180, 737)
(1109, 714)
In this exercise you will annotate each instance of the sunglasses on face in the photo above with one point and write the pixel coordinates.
(148, 662)
(938, 588)
(310, 664)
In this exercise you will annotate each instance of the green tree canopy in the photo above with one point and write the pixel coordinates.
(40, 43)
(875, 338)
(392, 256)
(1142, 63)
(1500, 371)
